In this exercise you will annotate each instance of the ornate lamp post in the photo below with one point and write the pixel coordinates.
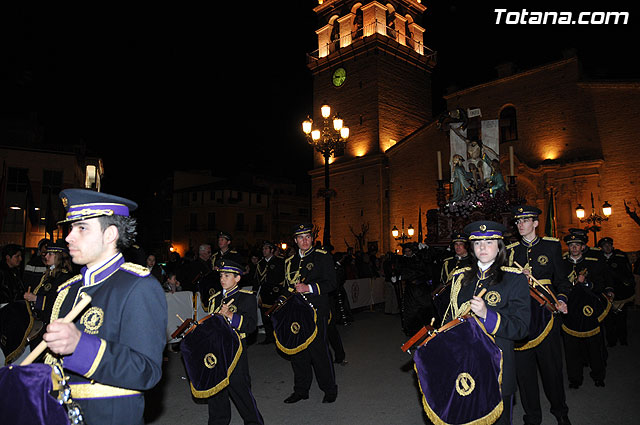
(401, 236)
(327, 141)
(594, 220)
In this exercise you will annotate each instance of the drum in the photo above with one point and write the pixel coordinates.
(542, 319)
(27, 396)
(440, 301)
(294, 324)
(459, 370)
(586, 311)
(16, 323)
(211, 350)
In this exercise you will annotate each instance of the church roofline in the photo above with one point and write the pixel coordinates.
(511, 77)
(403, 142)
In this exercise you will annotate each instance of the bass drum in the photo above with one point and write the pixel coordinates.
(211, 351)
(294, 324)
(586, 311)
(459, 370)
(540, 325)
(441, 300)
(26, 396)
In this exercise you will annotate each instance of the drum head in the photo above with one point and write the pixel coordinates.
(211, 352)
(586, 311)
(460, 375)
(25, 396)
(540, 325)
(294, 325)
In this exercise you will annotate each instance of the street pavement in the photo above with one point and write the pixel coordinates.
(378, 385)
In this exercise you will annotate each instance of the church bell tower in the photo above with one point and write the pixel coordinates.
(373, 68)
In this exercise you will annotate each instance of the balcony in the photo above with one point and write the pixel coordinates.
(368, 31)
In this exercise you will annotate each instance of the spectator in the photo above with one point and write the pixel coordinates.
(156, 269)
(36, 266)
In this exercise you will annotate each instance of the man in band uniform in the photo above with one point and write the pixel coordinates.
(311, 272)
(113, 350)
(619, 268)
(541, 258)
(587, 309)
(269, 277)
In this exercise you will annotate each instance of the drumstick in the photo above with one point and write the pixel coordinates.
(469, 307)
(538, 283)
(85, 299)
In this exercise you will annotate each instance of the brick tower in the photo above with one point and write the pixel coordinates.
(371, 67)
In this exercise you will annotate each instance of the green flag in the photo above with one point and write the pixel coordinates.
(550, 226)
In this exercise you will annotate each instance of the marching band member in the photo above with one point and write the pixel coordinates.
(240, 308)
(113, 351)
(310, 271)
(541, 258)
(504, 308)
(587, 309)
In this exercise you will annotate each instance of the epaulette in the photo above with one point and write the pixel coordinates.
(447, 259)
(590, 258)
(565, 255)
(214, 295)
(595, 248)
(511, 269)
(513, 245)
(136, 269)
(621, 255)
(289, 258)
(69, 282)
(321, 251)
(550, 238)
(233, 251)
(460, 270)
(247, 291)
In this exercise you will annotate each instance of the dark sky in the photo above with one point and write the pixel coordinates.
(156, 87)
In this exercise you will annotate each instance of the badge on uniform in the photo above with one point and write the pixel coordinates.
(92, 320)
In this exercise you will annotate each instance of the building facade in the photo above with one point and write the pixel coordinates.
(571, 137)
(252, 209)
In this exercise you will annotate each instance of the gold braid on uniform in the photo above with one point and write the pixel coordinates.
(456, 285)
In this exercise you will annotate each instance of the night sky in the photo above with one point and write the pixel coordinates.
(167, 86)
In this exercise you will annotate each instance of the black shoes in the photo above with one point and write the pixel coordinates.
(574, 385)
(329, 398)
(294, 398)
(564, 421)
(599, 383)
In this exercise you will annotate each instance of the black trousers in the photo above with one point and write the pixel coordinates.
(239, 390)
(417, 308)
(506, 418)
(546, 357)
(315, 358)
(616, 326)
(268, 326)
(335, 341)
(581, 351)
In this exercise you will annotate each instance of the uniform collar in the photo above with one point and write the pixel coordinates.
(576, 260)
(230, 292)
(305, 253)
(102, 271)
(529, 244)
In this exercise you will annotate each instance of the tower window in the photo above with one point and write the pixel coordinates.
(508, 125)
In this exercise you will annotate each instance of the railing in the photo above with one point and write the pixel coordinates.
(367, 30)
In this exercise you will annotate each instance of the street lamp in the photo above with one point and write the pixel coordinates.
(401, 236)
(594, 220)
(330, 138)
